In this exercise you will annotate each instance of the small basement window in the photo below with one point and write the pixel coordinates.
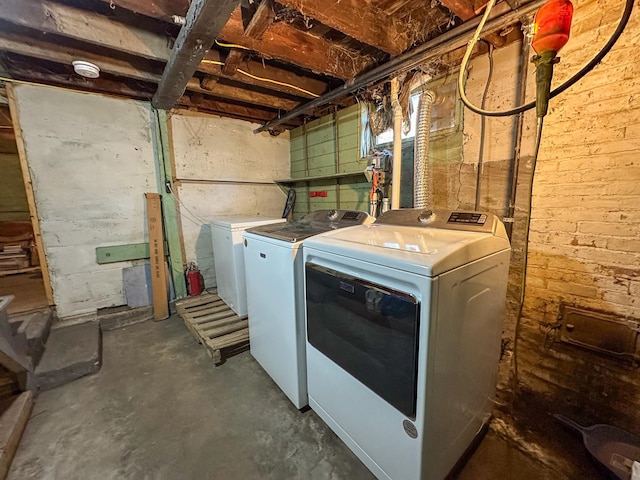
(445, 113)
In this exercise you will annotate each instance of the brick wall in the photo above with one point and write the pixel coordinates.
(584, 247)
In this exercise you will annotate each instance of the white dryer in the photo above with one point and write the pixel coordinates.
(275, 295)
(228, 258)
(404, 321)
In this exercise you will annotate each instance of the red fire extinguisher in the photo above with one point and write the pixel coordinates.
(195, 281)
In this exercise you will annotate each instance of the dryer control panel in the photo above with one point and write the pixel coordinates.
(475, 218)
(450, 220)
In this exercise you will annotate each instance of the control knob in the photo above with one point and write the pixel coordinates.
(332, 215)
(426, 216)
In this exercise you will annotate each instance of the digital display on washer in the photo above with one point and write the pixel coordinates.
(468, 217)
(369, 330)
(350, 215)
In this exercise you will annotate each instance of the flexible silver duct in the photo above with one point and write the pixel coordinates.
(422, 172)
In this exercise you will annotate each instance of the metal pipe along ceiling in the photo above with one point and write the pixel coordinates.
(454, 38)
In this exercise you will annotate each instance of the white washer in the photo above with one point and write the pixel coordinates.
(275, 295)
(228, 258)
(404, 321)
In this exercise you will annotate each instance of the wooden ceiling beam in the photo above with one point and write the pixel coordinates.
(240, 94)
(283, 42)
(232, 62)
(256, 22)
(31, 73)
(85, 26)
(56, 52)
(464, 9)
(160, 9)
(63, 20)
(204, 22)
(30, 47)
(113, 87)
(391, 6)
(372, 26)
(261, 20)
(232, 110)
(276, 78)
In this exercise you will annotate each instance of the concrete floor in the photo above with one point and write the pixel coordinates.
(159, 409)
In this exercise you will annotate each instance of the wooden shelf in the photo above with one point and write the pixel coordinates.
(4, 273)
(335, 176)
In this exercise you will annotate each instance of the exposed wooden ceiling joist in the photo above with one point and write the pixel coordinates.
(85, 26)
(277, 79)
(464, 9)
(139, 91)
(205, 19)
(232, 62)
(372, 27)
(54, 22)
(32, 73)
(256, 22)
(30, 47)
(236, 111)
(283, 42)
(261, 19)
(160, 9)
(392, 6)
(38, 48)
(241, 94)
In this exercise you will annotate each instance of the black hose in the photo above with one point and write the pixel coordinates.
(525, 255)
(622, 24)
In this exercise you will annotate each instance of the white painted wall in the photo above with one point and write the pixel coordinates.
(230, 172)
(91, 160)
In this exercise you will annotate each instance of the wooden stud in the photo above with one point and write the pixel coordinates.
(169, 203)
(176, 193)
(28, 185)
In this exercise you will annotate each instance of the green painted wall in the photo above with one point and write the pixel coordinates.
(313, 154)
(319, 149)
(13, 199)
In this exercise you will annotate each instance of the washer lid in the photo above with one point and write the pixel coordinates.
(244, 222)
(313, 223)
(424, 251)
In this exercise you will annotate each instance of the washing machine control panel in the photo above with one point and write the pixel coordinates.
(449, 220)
(474, 218)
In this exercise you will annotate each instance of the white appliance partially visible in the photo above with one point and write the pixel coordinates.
(275, 295)
(228, 257)
(404, 322)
